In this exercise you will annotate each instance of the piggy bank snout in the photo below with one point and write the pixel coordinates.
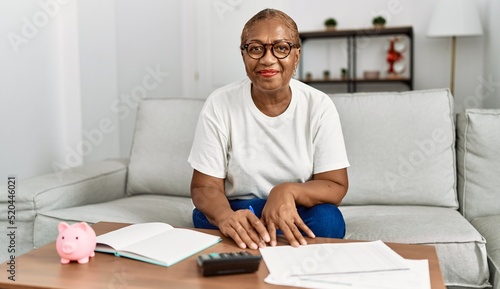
(68, 247)
(75, 245)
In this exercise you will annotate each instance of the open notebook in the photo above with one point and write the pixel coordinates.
(156, 243)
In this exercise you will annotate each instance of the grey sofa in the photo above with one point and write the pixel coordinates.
(404, 175)
(478, 159)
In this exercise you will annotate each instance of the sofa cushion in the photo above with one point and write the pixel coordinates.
(175, 211)
(460, 248)
(478, 162)
(401, 147)
(489, 227)
(163, 137)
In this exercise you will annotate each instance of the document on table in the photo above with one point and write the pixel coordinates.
(332, 258)
(417, 277)
(357, 265)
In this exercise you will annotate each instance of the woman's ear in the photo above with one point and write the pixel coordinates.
(297, 57)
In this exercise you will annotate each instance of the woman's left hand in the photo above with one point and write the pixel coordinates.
(280, 212)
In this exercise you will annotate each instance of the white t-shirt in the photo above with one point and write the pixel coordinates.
(253, 152)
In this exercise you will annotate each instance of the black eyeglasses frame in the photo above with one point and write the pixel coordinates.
(265, 45)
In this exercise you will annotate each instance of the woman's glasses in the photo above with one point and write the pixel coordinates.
(280, 49)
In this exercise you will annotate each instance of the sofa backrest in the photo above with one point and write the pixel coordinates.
(478, 162)
(164, 133)
(401, 147)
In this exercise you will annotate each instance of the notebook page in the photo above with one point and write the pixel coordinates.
(170, 247)
(126, 236)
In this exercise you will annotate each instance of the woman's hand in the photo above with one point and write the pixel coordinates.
(242, 226)
(280, 212)
(245, 229)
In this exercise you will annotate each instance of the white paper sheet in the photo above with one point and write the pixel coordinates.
(416, 277)
(332, 258)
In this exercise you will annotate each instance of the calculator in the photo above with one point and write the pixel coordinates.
(214, 264)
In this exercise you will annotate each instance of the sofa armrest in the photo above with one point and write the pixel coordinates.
(88, 184)
(92, 183)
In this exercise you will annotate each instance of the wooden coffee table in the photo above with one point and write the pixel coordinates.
(41, 269)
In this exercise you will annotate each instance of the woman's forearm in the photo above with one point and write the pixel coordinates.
(330, 187)
(319, 192)
(211, 202)
(208, 196)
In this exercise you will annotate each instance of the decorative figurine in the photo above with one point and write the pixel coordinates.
(76, 242)
(395, 55)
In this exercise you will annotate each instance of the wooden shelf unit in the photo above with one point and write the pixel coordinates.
(352, 36)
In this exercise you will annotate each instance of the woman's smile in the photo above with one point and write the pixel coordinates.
(268, 72)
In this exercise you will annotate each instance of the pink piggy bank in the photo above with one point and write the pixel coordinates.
(76, 242)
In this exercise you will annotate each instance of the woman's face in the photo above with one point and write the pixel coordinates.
(270, 74)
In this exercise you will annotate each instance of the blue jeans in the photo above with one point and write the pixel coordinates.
(325, 220)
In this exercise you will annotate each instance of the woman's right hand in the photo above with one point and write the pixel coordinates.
(244, 228)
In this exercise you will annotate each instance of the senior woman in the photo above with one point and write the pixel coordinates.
(268, 154)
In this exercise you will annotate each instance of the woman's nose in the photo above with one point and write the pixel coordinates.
(268, 56)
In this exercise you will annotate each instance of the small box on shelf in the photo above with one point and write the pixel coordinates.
(371, 74)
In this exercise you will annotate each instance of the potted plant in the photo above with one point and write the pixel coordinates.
(309, 76)
(343, 73)
(378, 22)
(330, 23)
(326, 75)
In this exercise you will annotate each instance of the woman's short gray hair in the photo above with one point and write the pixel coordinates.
(268, 14)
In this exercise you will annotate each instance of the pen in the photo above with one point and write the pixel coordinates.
(253, 212)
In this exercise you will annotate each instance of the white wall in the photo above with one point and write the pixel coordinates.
(488, 89)
(69, 82)
(31, 106)
(82, 73)
(98, 79)
(149, 55)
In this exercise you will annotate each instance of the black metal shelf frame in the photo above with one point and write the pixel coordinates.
(352, 35)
